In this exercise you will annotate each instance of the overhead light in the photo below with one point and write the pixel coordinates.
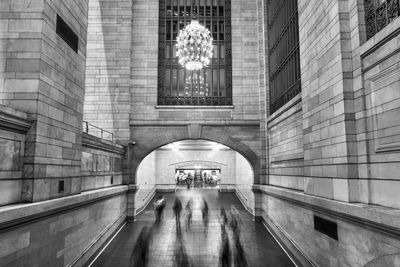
(194, 46)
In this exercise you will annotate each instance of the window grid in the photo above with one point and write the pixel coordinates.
(177, 86)
(379, 13)
(284, 56)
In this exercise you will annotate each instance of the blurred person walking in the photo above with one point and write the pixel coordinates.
(189, 213)
(177, 211)
(204, 211)
(140, 253)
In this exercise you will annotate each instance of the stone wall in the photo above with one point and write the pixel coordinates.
(146, 182)
(60, 232)
(13, 128)
(101, 163)
(243, 181)
(285, 146)
(364, 232)
(377, 118)
(42, 76)
(107, 84)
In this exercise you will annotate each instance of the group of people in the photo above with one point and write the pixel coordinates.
(231, 251)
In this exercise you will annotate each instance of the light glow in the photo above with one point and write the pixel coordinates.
(194, 46)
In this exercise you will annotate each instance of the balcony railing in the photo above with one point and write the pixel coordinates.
(98, 132)
(379, 13)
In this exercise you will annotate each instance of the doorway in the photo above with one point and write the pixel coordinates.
(198, 178)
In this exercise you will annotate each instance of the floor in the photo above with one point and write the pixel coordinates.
(202, 248)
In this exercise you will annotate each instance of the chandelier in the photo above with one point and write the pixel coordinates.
(194, 46)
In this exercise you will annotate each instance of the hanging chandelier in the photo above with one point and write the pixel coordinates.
(194, 46)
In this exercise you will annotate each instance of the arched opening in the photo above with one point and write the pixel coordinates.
(194, 164)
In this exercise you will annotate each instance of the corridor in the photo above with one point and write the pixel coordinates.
(203, 248)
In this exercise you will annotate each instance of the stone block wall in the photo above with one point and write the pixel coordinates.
(377, 118)
(293, 214)
(243, 180)
(285, 146)
(146, 182)
(107, 83)
(13, 128)
(66, 238)
(327, 102)
(42, 76)
(102, 163)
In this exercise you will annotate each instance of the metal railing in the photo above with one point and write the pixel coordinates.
(97, 131)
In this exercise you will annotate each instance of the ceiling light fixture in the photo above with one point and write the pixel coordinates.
(194, 46)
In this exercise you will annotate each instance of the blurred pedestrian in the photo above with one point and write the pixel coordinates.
(223, 219)
(181, 257)
(225, 251)
(159, 205)
(204, 211)
(239, 259)
(177, 211)
(189, 213)
(235, 221)
(140, 253)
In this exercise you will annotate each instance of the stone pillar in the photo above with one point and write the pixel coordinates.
(44, 77)
(327, 99)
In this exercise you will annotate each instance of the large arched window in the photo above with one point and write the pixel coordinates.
(213, 84)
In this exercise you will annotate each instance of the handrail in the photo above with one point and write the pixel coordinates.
(102, 131)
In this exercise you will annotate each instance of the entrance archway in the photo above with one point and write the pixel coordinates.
(198, 164)
(244, 140)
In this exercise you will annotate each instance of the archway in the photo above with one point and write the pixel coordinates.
(209, 164)
(244, 140)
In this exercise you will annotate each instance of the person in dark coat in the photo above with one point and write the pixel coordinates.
(177, 211)
(204, 211)
(140, 253)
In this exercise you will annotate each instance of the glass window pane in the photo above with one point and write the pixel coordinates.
(167, 51)
(221, 30)
(215, 80)
(215, 52)
(175, 4)
(208, 80)
(174, 51)
(215, 8)
(215, 30)
(222, 8)
(168, 30)
(168, 8)
(201, 8)
(188, 8)
(222, 51)
(174, 30)
(181, 81)
(167, 85)
(222, 86)
(174, 82)
(208, 8)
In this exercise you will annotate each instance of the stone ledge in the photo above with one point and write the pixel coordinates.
(277, 117)
(195, 107)
(100, 144)
(158, 123)
(14, 120)
(378, 218)
(380, 38)
(15, 215)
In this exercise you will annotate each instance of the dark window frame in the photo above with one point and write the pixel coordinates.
(219, 67)
(284, 52)
(67, 34)
(379, 16)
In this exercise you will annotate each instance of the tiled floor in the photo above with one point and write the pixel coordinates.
(203, 249)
